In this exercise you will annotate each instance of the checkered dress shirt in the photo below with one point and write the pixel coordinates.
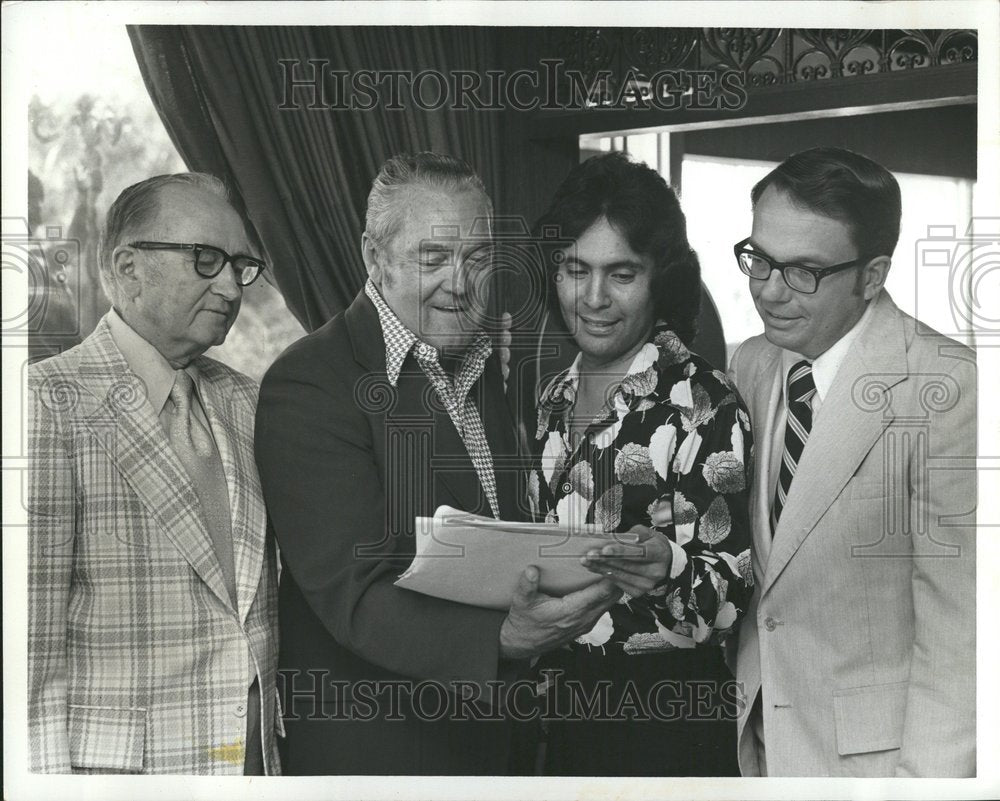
(455, 395)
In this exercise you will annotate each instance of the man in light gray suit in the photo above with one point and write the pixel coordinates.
(857, 654)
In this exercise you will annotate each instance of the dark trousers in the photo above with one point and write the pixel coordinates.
(663, 714)
(253, 761)
(389, 736)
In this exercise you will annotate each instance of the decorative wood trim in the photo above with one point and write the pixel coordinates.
(949, 85)
(610, 76)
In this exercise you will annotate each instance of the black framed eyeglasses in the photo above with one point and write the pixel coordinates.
(210, 260)
(796, 276)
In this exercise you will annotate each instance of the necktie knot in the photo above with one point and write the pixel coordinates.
(181, 391)
(801, 384)
(184, 423)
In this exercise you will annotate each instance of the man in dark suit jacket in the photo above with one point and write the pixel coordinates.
(391, 409)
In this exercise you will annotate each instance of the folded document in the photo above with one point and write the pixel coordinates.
(478, 560)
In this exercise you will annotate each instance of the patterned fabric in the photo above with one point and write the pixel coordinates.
(138, 660)
(196, 449)
(189, 434)
(673, 452)
(455, 395)
(798, 424)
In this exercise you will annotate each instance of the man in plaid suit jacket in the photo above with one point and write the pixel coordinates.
(152, 620)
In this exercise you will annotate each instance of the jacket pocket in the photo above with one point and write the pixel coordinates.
(107, 737)
(279, 715)
(869, 718)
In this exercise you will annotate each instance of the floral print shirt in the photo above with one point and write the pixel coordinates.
(673, 452)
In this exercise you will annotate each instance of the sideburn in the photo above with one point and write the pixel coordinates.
(388, 278)
(859, 284)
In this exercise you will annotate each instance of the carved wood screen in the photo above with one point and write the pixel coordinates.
(769, 56)
(777, 71)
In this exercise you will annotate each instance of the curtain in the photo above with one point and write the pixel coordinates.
(301, 176)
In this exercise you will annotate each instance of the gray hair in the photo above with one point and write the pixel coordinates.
(134, 212)
(447, 173)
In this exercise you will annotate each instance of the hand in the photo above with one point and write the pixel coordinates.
(538, 622)
(638, 568)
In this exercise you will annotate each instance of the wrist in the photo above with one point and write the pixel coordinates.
(511, 646)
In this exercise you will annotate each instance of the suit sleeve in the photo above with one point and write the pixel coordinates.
(734, 365)
(326, 502)
(51, 532)
(939, 733)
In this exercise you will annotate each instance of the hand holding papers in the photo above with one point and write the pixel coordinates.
(478, 560)
(637, 571)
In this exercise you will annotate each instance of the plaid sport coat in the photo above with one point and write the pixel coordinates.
(138, 661)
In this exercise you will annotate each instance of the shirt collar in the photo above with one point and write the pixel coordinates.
(400, 340)
(146, 362)
(562, 391)
(826, 365)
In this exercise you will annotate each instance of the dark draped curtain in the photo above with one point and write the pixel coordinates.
(301, 176)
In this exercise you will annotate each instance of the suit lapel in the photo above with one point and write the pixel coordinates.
(125, 426)
(231, 419)
(460, 479)
(853, 417)
(426, 462)
(453, 477)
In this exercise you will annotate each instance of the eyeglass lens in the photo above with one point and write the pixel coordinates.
(797, 278)
(211, 261)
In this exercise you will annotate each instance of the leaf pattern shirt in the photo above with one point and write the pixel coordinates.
(673, 452)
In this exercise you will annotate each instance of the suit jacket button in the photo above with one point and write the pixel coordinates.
(770, 623)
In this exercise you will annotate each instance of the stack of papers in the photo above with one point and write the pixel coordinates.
(478, 560)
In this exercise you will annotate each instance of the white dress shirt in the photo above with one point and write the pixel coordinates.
(154, 371)
(824, 369)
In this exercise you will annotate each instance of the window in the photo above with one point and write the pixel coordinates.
(715, 196)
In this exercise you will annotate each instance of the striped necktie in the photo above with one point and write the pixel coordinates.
(801, 389)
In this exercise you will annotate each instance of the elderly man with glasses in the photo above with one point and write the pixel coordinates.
(857, 655)
(152, 617)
